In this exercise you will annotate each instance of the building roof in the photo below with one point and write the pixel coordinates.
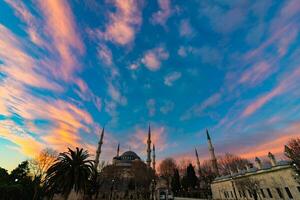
(279, 165)
(129, 156)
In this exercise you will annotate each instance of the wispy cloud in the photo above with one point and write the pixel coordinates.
(256, 74)
(171, 78)
(186, 29)
(20, 66)
(198, 109)
(61, 28)
(288, 83)
(32, 24)
(165, 11)
(151, 107)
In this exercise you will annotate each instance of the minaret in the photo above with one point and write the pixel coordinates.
(118, 150)
(212, 154)
(198, 163)
(149, 148)
(98, 152)
(153, 158)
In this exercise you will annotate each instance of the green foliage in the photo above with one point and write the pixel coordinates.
(71, 170)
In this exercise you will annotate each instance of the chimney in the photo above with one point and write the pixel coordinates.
(258, 163)
(272, 159)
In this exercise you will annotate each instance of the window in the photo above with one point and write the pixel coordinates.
(225, 194)
(262, 193)
(288, 192)
(269, 193)
(298, 188)
(231, 194)
(250, 193)
(240, 193)
(244, 193)
(279, 192)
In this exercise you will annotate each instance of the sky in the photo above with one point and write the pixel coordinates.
(68, 68)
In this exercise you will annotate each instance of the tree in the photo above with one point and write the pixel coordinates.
(17, 185)
(231, 163)
(71, 170)
(41, 163)
(175, 183)
(292, 151)
(166, 169)
(190, 180)
(182, 165)
(3, 175)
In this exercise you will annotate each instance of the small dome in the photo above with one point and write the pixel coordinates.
(129, 155)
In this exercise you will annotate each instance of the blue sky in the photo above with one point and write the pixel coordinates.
(68, 68)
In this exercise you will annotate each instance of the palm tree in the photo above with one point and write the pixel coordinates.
(70, 171)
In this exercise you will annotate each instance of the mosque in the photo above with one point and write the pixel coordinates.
(128, 177)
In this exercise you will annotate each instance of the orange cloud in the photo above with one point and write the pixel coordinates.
(274, 145)
(28, 145)
(138, 142)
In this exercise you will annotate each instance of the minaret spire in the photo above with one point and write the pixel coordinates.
(149, 148)
(118, 150)
(98, 152)
(198, 162)
(153, 158)
(212, 154)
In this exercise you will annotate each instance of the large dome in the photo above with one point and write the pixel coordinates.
(129, 155)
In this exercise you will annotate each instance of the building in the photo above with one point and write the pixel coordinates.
(128, 177)
(277, 181)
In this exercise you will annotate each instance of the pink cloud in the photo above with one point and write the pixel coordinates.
(18, 65)
(198, 109)
(116, 95)
(185, 29)
(256, 74)
(153, 58)
(138, 141)
(60, 26)
(165, 11)
(105, 55)
(171, 78)
(274, 144)
(124, 22)
(22, 11)
(288, 83)
(253, 107)
(151, 107)
(65, 119)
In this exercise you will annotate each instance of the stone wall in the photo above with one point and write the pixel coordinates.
(273, 181)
